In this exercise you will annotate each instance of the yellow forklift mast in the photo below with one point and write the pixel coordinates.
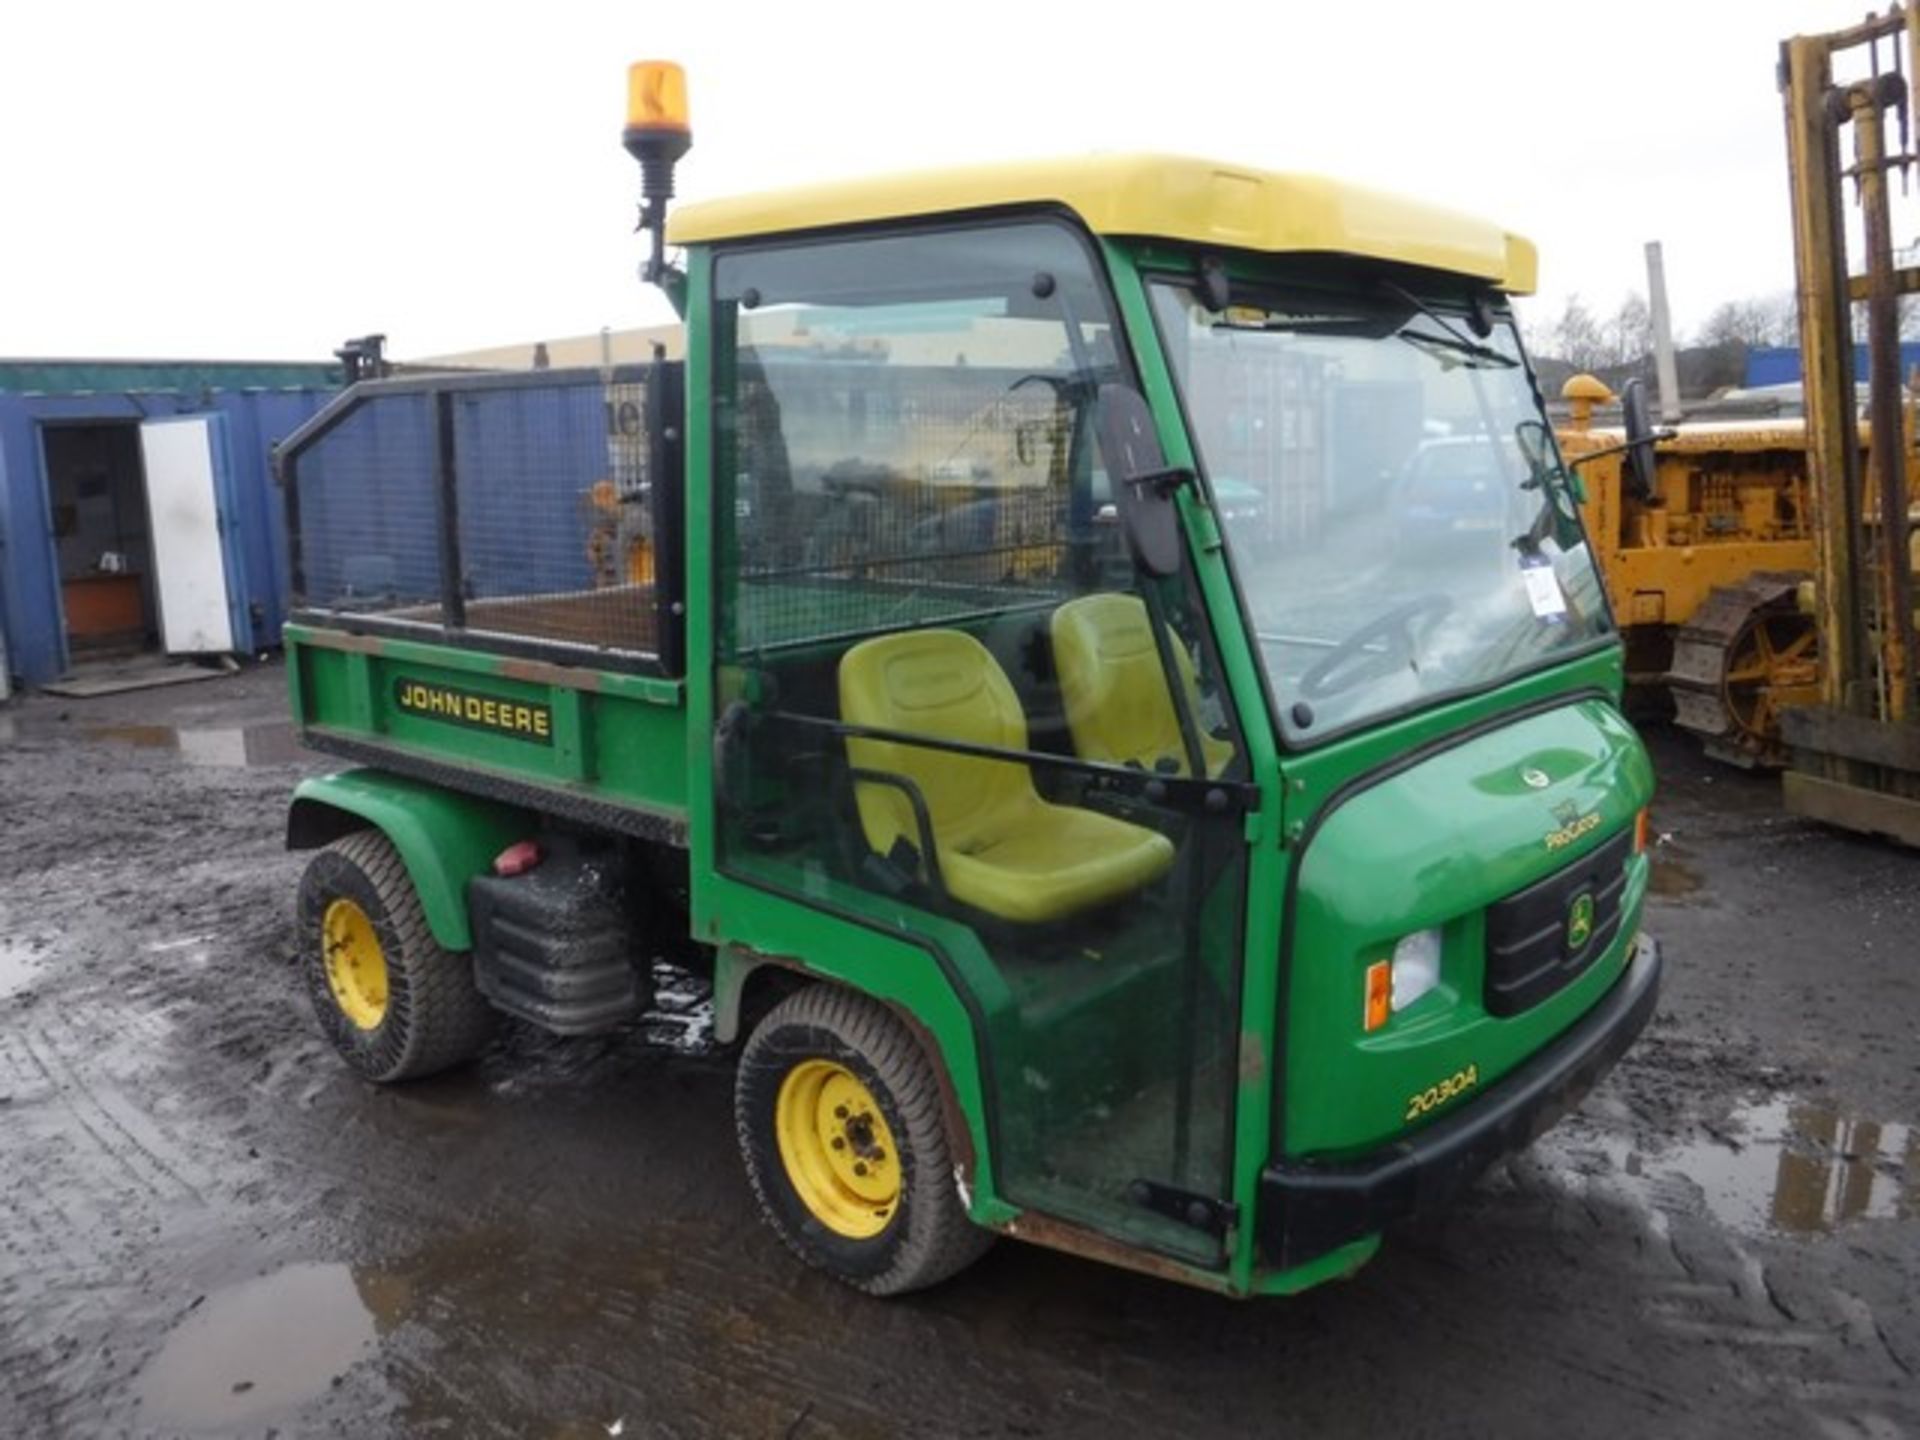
(1856, 751)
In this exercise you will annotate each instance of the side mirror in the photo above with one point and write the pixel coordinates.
(1535, 443)
(1638, 456)
(1143, 486)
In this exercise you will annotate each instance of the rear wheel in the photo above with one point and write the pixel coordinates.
(1772, 663)
(1747, 654)
(839, 1118)
(392, 1001)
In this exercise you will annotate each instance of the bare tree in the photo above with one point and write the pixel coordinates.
(1577, 338)
(1759, 320)
(1536, 333)
(1783, 319)
(1735, 323)
(1909, 321)
(1629, 333)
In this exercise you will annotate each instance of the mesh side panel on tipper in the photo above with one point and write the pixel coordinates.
(369, 517)
(554, 534)
(491, 505)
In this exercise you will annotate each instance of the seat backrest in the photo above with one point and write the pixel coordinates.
(1114, 690)
(944, 685)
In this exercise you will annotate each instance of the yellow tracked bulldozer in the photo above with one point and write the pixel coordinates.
(1763, 570)
(1706, 557)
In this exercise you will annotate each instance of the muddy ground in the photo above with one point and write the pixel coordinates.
(208, 1226)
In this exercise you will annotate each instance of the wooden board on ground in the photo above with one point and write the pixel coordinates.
(146, 673)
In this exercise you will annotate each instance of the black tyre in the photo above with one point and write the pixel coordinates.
(839, 1117)
(393, 1003)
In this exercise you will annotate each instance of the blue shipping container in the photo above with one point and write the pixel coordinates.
(32, 605)
(1780, 364)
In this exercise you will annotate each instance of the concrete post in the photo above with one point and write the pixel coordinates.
(1664, 368)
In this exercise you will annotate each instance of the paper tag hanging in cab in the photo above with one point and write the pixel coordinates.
(1543, 589)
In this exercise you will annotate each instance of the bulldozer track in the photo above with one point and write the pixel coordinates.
(1743, 653)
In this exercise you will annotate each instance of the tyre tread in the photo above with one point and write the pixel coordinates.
(446, 1018)
(940, 1241)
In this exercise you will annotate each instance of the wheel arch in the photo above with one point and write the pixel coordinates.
(747, 983)
(444, 838)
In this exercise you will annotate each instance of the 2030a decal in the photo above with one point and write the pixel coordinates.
(1434, 1096)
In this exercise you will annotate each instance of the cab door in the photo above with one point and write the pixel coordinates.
(190, 505)
(951, 708)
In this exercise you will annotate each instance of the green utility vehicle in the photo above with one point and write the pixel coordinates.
(998, 657)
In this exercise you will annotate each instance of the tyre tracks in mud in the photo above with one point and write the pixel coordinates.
(94, 1212)
(560, 1237)
(1777, 1323)
(117, 1197)
(125, 1133)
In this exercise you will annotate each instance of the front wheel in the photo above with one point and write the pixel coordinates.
(839, 1119)
(393, 1002)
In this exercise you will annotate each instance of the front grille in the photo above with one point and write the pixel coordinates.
(1530, 954)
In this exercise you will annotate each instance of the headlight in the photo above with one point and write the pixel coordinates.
(1395, 984)
(1416, 967)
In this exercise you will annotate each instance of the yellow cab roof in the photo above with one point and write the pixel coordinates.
(1156, 196)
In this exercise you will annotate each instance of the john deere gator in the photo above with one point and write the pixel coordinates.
(1097, 662)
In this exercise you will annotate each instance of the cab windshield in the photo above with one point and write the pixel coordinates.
(1400, 522)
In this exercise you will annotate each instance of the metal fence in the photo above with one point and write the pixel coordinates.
(532, 512)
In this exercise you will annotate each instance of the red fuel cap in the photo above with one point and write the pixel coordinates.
(517, 858)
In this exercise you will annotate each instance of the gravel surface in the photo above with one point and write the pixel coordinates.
(208, 1226)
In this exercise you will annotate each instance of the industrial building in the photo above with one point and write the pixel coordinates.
(563, 352)
(137, 507)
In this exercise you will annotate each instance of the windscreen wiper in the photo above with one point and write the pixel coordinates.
(1451, 349)
(1450, 341)
(1337, 326)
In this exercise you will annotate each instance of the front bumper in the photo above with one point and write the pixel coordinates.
(1308, 1208)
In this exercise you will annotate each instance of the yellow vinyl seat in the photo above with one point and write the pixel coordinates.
(1000, 847)
(1115, 692)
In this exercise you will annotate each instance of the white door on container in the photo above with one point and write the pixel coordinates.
(184, 458)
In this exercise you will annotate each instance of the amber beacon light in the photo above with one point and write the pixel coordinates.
(657, 135)
(656, 100)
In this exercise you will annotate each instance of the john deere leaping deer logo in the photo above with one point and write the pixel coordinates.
(1579, 922)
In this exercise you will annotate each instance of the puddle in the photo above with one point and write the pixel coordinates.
(22, 957)
(1671, 877)
(227, 746)
(19, 965)
(188, 949)
(1784, 1165)
(257, 1349)
(167, 947)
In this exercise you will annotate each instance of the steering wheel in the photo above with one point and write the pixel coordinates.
(1351, 661)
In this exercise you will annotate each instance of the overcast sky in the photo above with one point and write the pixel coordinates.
(267, 179)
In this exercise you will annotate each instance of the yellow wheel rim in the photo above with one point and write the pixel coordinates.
(837, 1149)
(356, 965)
